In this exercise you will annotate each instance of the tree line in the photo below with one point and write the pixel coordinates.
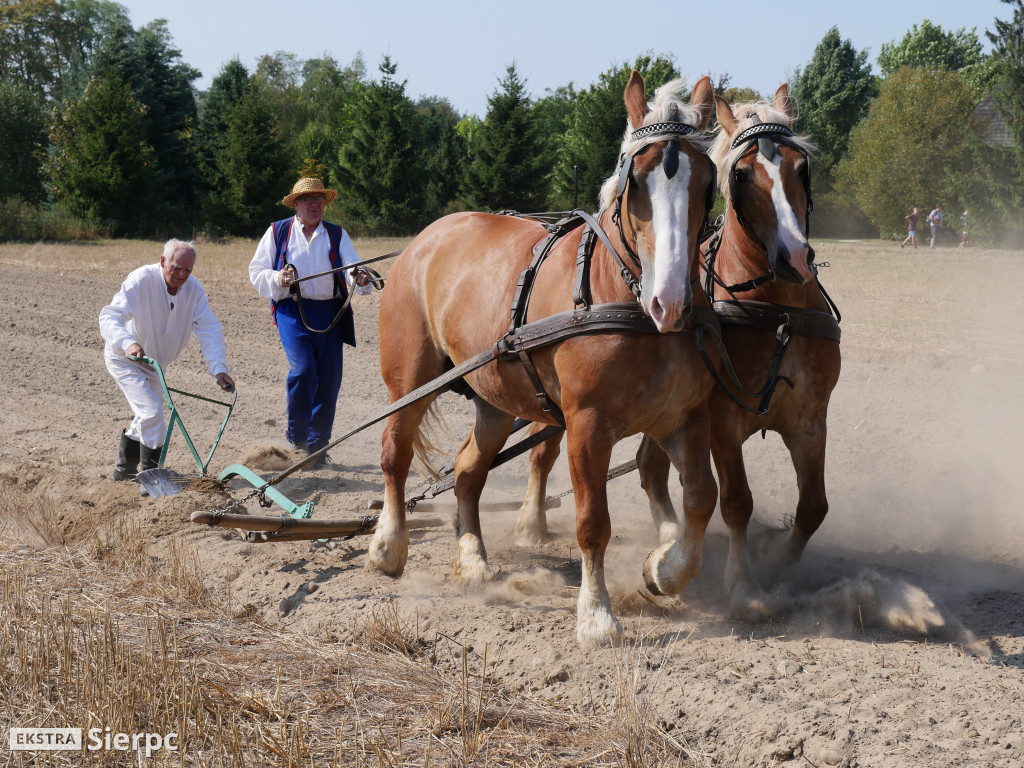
(102, 131)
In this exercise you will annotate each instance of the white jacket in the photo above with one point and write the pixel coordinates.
(144, 312)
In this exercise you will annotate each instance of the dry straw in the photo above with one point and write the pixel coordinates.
(102, 629)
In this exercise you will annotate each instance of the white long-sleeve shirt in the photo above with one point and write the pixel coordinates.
(144, 312)
(310, 258)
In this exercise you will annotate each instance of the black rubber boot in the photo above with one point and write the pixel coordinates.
(150, 460)
(150, 457)
(127, 458)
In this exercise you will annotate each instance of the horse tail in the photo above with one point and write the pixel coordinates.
(425, 450)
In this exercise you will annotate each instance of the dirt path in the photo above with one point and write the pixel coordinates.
(899, 640)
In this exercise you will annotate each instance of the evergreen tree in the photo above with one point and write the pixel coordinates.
(1008, 54)
(379, 176)
(329, 93)
(832, 95)
(23, 142)
(250, 167)
(162, 82)
(103, 169)
(551, 117)
(442, 155)
(594, 129)
(912, 147)
(506, 166)
(224, 94)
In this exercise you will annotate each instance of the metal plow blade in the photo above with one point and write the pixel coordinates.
(162, 482)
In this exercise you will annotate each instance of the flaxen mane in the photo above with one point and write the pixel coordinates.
(667, 107)
(723, 155)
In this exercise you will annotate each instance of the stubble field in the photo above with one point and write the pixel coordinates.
(898, 641)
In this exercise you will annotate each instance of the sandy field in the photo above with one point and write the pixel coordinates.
(897, 641)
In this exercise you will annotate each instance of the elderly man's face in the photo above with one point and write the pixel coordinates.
(310, 209)
(177, 268)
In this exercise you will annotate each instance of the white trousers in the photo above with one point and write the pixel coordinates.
(141, 386)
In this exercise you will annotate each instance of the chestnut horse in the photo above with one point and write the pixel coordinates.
(449, 295)
(762, 277)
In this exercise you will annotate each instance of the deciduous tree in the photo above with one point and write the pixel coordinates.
(911, 148)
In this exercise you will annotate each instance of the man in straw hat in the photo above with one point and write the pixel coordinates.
(298, 247)
(156, 311)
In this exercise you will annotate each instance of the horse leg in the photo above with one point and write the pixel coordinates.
(472, 463)
(746, 599)
(807, 450)
(653, 465)
(673, 565)
(389, 547)
(590, 452)
(532, 521)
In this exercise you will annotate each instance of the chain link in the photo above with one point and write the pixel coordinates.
(218, 514)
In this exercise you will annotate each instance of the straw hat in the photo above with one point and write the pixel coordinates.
(309, 187)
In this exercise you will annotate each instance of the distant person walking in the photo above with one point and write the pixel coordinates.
(964, 240)
(911, 229)
(935, 222)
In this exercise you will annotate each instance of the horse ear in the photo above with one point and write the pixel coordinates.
(636, 100)
(703, 98)
(726, 118)
(782, 101)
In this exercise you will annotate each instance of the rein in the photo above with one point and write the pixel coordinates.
(375, 279)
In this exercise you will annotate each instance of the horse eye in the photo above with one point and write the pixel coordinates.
(741, 175)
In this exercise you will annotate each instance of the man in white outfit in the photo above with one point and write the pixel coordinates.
(158, 307)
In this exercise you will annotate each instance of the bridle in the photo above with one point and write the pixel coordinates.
(665, 130)
(766, 136)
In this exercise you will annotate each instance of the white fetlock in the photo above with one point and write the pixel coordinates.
(668, 570)
(389, 550)
(596, 626)
(531, 528)
(470, 566)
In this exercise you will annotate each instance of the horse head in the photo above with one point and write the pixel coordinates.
(662, 192)
(766, 177)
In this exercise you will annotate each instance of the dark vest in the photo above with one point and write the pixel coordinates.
(282, 232)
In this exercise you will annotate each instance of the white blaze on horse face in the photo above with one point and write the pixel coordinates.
(665, 284)
(790, 233)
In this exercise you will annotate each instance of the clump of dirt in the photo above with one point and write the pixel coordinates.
(271, 458)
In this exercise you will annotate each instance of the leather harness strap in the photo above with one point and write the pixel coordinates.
(761, 314)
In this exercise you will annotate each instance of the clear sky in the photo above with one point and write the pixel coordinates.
(459, 49)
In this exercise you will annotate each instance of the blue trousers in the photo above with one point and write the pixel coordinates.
(315, 367)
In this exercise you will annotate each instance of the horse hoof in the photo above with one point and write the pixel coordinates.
(598, 632)
(388, 556)
(472, 573)
(652, 585)
(750, 608)
(470, 566)
(531, 528)
(529, 537)
(666, 572)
